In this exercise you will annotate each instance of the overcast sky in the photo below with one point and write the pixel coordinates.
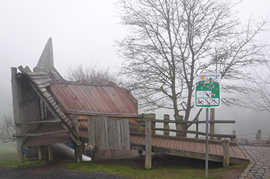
(83, 32)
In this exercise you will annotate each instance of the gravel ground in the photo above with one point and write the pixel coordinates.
(54, 171)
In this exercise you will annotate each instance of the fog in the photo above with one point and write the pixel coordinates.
(85, 32)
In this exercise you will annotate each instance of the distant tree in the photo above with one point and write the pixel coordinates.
(173, 41)
(258, 96)
(91, 76)
(7, 127)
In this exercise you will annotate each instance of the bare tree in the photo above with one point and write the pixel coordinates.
(258, 95)
(91, 76)
(173, 41)
(7, 127)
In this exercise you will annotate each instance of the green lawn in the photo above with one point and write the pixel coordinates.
(9, 158)
(164, 168)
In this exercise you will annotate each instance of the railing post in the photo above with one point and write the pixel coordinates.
(166, 124)
(180, 126)
(148, 143)
(212, 124)
(226, 153)
(50, 153)
(197, 128)
(39, 153)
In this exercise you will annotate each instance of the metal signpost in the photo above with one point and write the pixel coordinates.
(207, 95)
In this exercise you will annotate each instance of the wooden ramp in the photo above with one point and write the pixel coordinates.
(190, 148)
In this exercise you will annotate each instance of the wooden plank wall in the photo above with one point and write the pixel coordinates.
(108, 134)
(26, 107)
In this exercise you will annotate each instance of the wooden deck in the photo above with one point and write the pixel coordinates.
(191, 148)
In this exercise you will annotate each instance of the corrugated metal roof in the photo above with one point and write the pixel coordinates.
(93, 100)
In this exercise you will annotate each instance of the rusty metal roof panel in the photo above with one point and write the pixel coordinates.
(92, 100)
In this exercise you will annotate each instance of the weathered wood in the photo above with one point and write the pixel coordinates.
(39, 153)
(212, 124)
(148, 143)
(108, 134)
(166, 124)
(16, 97)
(100, 141)
(38, 122)
(193, 122)
(92, 131)
(42, 133)
(180, 126)
(195, 132)
(50, 153)
(226, 153)
(76, 124)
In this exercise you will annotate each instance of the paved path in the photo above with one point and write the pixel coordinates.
(260, 166)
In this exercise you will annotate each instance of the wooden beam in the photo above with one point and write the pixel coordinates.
(50, 153)
(148, 141)
(180, 128)
(42, 133)
(39, 153)
(38, 122)
(195, 132)
(16, 97)
(194, 122)
(226, 153)
(166, 124)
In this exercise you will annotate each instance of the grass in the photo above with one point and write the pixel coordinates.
(9, 158)
(163, 168)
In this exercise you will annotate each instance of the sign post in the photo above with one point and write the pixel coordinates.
(207, 95)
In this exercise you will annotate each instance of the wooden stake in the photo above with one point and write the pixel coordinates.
(166, 124)
(39, 153)
(180, 127)
(226, 153)
(148, 143)
(50, 153)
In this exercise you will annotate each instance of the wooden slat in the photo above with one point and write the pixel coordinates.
(195, 132)
(38, 122)
(43, 133)
(192, 122)
(92, 131)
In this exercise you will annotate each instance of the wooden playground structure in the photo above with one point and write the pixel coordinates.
(49, 110)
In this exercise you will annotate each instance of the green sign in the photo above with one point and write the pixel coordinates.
(207, 92)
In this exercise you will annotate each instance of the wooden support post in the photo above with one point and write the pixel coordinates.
(78, 153)
(180, 127)
(39, 153)
(50, 153)
(226, 153)
(148, 143)
(212, 125)
(166, 124)
(17, 98)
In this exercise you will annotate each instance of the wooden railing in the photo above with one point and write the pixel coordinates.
(138, 127)
(147, 122)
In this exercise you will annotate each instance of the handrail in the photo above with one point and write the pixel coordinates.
(142, 118)
(191, 122)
